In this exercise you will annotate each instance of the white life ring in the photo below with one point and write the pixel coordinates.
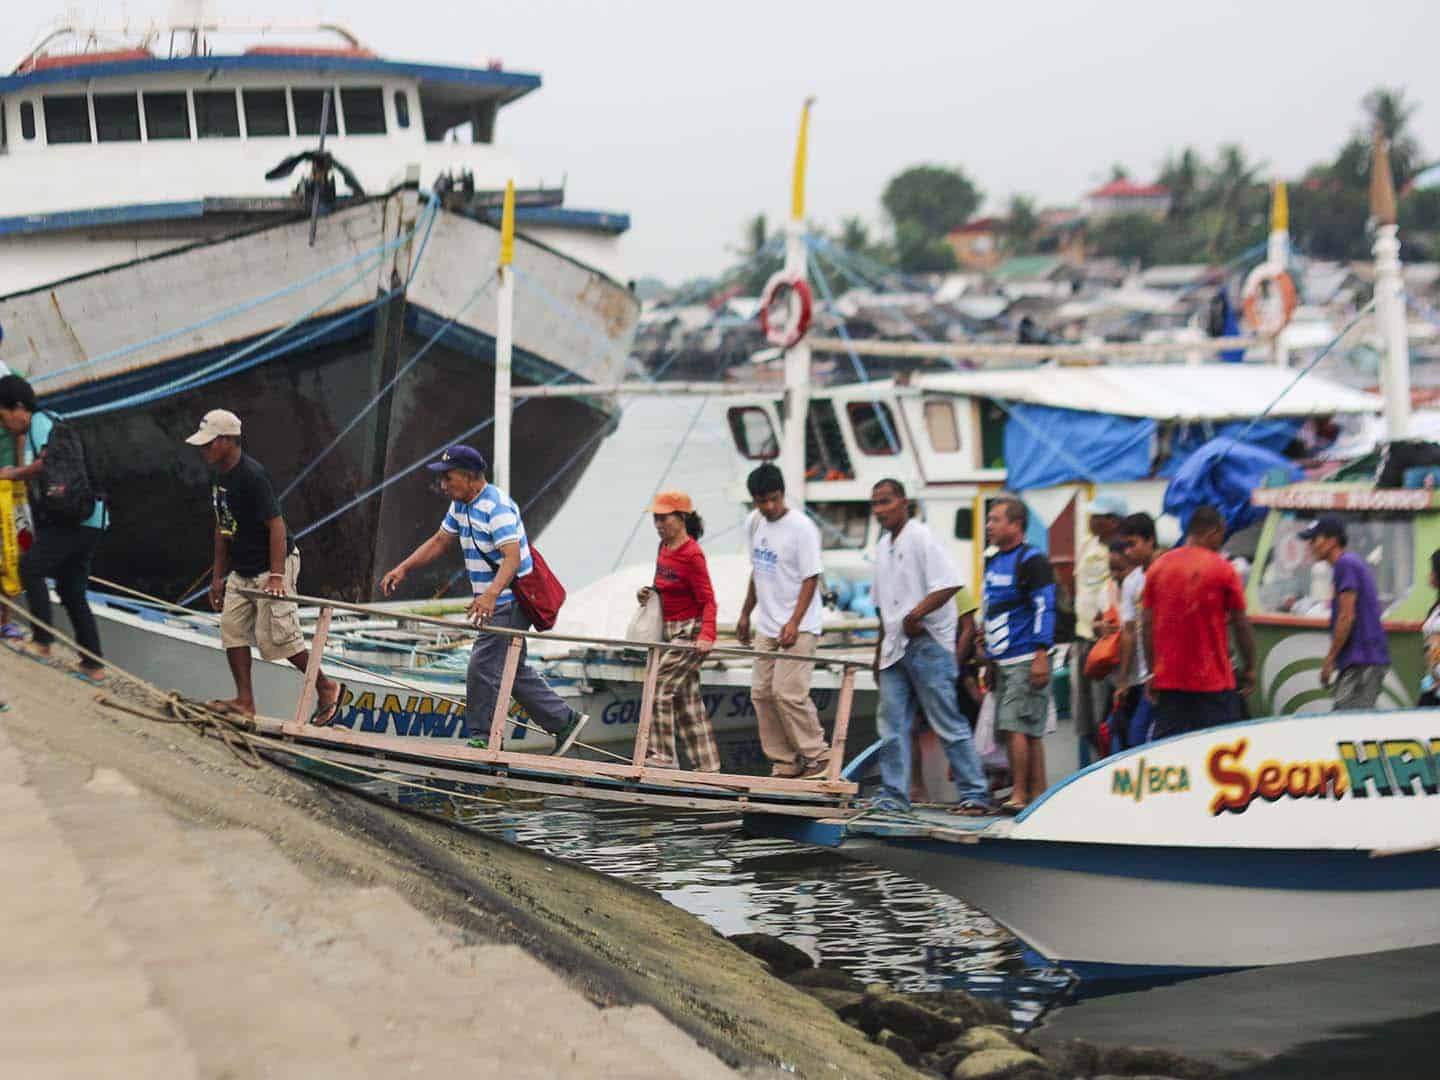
(785, 309)
(1267, 316)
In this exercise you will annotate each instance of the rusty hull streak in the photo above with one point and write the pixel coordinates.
(80, 353)
(613, 304)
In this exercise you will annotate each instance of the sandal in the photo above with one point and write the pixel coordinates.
(331, 708)
(973, 809)
(85, 675)
(1010, 808)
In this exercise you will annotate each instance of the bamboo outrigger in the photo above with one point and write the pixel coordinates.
(830, 797)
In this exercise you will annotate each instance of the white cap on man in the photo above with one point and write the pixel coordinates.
(215, 423)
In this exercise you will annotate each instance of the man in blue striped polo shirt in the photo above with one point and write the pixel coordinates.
(492, 539)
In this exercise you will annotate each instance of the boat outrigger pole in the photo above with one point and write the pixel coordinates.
(1389, 296)
(504, 340)
(797, 357)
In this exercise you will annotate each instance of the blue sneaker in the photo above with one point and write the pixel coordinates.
(11, 632)
(887, 804)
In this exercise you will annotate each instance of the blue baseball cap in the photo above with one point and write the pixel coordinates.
(460, 457)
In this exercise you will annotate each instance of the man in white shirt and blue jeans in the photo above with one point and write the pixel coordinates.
(915, 582)
(784, 597)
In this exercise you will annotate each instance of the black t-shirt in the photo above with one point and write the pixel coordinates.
(244, 502)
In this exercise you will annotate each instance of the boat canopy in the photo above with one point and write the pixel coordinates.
(1215, 393)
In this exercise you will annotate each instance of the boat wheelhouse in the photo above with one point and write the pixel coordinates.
(1051, 434)
(108, 155)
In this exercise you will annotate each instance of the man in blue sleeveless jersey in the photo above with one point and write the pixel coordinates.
(1019, 621)
(915, 583)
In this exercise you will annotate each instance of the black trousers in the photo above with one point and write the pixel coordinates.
(64, 553)
(1179, 711)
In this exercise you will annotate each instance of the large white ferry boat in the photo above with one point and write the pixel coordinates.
(304, 232)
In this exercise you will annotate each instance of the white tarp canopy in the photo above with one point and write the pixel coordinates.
(1214, 392)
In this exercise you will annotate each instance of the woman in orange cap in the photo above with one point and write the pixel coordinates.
(687, 602)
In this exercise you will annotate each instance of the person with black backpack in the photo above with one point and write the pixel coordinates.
(70, 517)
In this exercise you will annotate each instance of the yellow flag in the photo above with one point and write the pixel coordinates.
(507, 226)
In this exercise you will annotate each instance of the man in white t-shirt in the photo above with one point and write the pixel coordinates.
(784, 597)
(915, 582)
(1133, 675)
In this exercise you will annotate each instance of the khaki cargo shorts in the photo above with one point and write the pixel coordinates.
(271, 625)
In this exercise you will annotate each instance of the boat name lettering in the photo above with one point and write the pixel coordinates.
(416, 715)
(1398, 499)
(1145, 780)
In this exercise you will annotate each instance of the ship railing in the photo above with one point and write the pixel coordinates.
(831, 786)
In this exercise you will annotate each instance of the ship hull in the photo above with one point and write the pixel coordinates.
(308, 374)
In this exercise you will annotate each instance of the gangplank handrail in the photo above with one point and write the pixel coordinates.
(493, 752)
(549, 635)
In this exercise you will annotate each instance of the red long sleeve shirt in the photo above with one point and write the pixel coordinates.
(682, 579)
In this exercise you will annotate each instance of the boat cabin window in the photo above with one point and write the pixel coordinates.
(965, 523)
(27, 120)
(309, 104)
(117, 117)
(825, 455)
(266, 113)
(992, 435)
(1290, 584)
(216, 114)
(874, 427)
(364, 110)
(67, 118)
(753, 433)
(167, 116)
(402, 108)
(843, 525)
(942, 426)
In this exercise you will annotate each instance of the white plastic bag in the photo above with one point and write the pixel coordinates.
(647, 624)
(985, 727)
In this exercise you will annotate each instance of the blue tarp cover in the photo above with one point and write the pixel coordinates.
(1045, 446)
(1223, 473)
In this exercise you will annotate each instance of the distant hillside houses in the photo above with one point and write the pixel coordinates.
(1123, 196)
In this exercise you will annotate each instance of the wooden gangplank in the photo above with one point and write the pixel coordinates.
(630, 781)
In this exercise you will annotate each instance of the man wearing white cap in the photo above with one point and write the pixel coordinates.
(1090, 699)
(253, 550)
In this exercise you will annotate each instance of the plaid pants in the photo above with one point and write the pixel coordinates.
(678, 708)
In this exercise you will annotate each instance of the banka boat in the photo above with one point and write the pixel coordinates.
(158, 259)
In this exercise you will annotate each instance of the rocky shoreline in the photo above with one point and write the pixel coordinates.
(955, 1034)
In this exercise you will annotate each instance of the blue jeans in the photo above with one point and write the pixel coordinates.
(925, 677)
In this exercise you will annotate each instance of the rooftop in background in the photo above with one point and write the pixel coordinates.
(1128, 189)
(1216, 392)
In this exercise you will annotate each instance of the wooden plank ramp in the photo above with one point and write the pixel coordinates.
(632, 781)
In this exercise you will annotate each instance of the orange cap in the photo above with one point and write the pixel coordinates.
(672, 502)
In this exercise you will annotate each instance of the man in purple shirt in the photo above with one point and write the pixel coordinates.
(1359, 655)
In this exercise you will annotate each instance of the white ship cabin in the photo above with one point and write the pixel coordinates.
(957, 439)
(111, 152)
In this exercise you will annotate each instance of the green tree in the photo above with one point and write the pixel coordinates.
(1182, 174)
(933, 198)
(757, 268)
(918, 252)
(1128, 236)
(1118, 172)
(1236, 201)
(1022, 225)
(1386, 108)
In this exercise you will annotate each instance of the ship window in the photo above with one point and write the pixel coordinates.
(992, 435)
(167, 116)
(874, 425)
(216, 114)
(364, 110)
(27, 119)
(942, 426)
(265, 113)
(825, 455)
(117, 118)
(842, 524)
(965, 523)
(308, 106)
(1291, 583)
(402, 108)
(753, 434)
(67, 118)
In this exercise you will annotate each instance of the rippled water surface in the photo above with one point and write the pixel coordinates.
(875, 924)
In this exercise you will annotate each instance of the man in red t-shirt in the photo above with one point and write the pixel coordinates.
(1192, 599)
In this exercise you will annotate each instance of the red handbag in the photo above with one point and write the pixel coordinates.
(539, 593)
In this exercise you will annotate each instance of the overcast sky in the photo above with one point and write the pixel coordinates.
(684, 114)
